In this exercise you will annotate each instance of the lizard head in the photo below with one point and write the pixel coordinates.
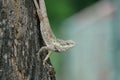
(62, 45)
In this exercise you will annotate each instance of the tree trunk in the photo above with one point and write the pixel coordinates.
(20, 39)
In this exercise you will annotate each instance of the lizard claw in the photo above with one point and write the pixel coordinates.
(44, 62)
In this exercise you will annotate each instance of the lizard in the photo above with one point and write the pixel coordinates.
(52, 44)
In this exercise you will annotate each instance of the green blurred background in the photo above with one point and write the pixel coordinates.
(94, 26)
(58, 11)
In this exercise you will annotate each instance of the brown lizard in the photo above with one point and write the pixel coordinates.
(52, 43)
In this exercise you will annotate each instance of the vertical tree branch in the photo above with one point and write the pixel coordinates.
(20, 39)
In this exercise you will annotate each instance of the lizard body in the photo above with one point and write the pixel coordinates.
(52, 43)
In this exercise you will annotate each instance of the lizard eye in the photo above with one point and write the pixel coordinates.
(70, 42)
(67, 43)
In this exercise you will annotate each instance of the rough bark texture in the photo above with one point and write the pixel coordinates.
(20, 39)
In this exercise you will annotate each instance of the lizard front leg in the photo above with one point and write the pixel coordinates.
(48, 55)
(46, 58)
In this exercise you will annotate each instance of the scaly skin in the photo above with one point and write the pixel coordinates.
(52, 43)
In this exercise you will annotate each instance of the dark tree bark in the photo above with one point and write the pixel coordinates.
(20, 39)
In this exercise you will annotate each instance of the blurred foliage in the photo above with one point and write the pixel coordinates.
(58, 10)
